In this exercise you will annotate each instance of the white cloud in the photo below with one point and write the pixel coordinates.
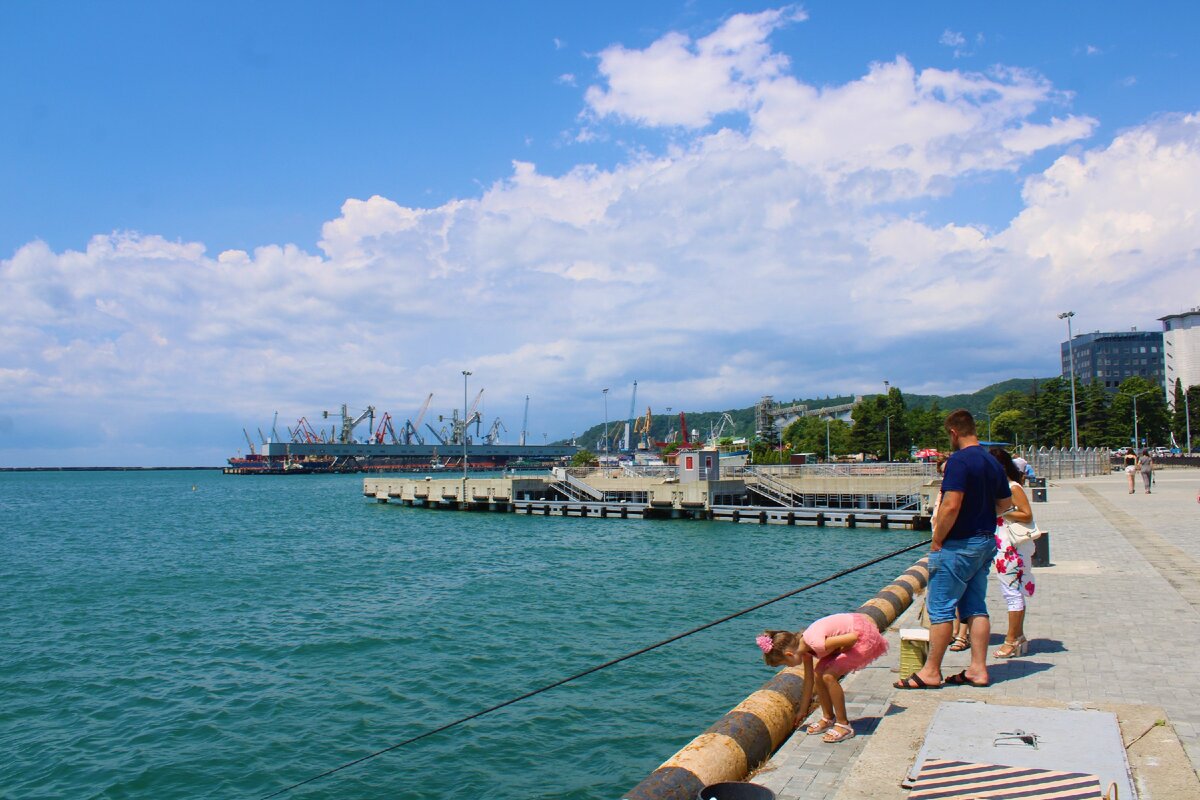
(732, 264)
(898, 132)
(952, 38)
(680, 82)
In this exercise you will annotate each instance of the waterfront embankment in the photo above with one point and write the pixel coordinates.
(1112, 626)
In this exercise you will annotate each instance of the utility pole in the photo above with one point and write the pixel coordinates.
(828, 420)
(889, 437)
(466, 375)
(1071, 359)
(605, 424)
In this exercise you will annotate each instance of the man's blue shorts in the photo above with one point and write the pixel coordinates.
(958, 578)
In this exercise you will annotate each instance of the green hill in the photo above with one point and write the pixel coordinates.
(743, 418)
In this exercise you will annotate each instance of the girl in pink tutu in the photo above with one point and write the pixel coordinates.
(841, 644)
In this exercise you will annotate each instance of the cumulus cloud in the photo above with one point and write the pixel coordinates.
(731, 264)
(898, 132)
(680, 82)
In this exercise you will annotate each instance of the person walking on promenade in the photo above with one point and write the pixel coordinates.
(974, 492)
(1130, 461)
(1146, 464)
(841, 643)
(1014, 560)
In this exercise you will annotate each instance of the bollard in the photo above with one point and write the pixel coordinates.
(1041, 550)
(751, 732)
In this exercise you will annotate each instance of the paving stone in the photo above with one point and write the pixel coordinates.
(1106, 623)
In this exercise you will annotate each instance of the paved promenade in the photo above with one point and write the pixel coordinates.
(1116, 619)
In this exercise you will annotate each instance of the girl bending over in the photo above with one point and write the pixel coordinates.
(839, 644)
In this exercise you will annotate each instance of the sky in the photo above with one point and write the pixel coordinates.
(210, 213)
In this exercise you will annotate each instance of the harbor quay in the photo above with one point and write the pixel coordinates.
(1112, 628)
(848, 495)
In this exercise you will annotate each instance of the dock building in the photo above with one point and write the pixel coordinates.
(1107, 358)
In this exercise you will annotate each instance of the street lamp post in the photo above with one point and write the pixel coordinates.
(889, 438)
(1134, 397)
(828, 420)
(606, 424)
(1071, 360)
(466, 374)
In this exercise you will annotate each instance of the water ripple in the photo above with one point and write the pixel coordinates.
(165, 643)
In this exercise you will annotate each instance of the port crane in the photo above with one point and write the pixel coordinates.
(349, 425)
(249, 442)
(412, 429)
(642, 426)
(304, 432)
(493, 435)
(458, 427)
(385, 427)
(714, 434)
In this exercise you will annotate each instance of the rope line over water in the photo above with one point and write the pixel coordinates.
(598, 667)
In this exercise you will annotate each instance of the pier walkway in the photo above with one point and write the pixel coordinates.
(1115, 621)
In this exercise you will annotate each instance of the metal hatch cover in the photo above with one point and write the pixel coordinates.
(1021, 736)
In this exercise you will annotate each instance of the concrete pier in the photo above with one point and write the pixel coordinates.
(1112, 626)
(883, 495)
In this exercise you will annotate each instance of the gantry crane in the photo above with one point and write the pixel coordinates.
(493, 435)
(642, 426)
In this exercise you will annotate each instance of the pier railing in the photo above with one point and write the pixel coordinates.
(1066, 462)
(869, 469)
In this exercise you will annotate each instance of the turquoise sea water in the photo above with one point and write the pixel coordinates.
(165, 642)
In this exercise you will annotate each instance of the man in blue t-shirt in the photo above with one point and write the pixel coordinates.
(975, 492)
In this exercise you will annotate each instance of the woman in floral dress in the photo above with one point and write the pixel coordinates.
(1014, 562)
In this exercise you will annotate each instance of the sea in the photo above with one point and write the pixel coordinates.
(180, 634)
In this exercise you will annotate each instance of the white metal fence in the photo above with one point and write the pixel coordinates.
(1066, 462)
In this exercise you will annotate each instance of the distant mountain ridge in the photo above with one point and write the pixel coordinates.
(743, 418)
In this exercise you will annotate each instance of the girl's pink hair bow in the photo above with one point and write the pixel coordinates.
(764, 642)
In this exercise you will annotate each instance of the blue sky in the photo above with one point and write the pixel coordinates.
(214, 212)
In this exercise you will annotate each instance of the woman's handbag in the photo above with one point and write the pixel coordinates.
(1019, 534)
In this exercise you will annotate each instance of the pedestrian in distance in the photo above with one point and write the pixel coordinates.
(1130, 462)
(828, 649)
(1014, 559)
(1146, 465)
(975, 492)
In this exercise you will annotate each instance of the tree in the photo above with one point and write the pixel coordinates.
(765, 453)
(927, 428)
(1052, 409)
(583, 458)
(1179, 415)
(1011, 426)
(1193, 409)
(1011, 417)
(877, 419)
(1093, 416)
(1153, 419)
(807, 435)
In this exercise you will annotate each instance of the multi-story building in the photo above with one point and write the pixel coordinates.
(1181, 351)
(1108, 358)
